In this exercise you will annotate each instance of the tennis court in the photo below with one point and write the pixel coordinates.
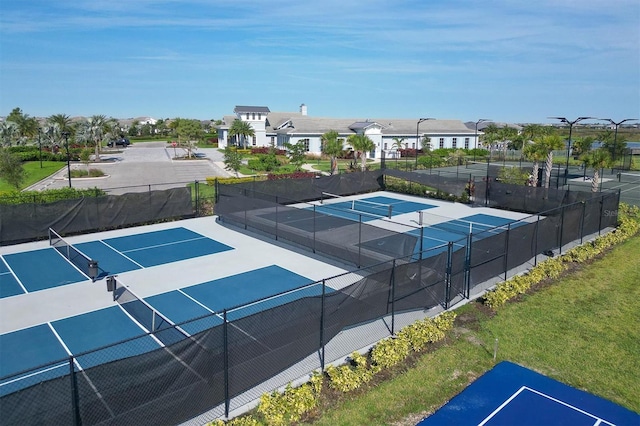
(513, 395)
(20, 272)
(133, 316)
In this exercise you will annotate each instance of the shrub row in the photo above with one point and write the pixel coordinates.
(629, 225)
(48, 196)
(282, 408)
(412, 188)
(294, 175)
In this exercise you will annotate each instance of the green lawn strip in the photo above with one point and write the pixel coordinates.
(582, 330)
(33, 173)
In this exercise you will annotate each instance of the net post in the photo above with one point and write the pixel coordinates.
(390, 210)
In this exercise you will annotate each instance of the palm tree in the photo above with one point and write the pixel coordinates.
(398, 144)
(58, 123)
(241, 128)
(97, 126)
(598, 159)
(550, 143)
(361, 144)
(332, 145)
(536, 153)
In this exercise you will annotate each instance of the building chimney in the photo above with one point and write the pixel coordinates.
(303, 109)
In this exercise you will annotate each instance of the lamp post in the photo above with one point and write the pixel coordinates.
(40, 144)
(570, 123)
(615, 137)
(475, 142)
(418, 137)
(66, 145)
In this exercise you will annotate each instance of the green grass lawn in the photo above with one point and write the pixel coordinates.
(582, 330)
(34, 173)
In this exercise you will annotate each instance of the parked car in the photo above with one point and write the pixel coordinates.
(119, 142)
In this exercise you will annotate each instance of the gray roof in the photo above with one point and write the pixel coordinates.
(239, 109)
(304, 124)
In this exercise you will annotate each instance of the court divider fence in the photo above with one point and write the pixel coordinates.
(233, 354)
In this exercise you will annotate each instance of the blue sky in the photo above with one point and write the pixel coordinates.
(506, 60)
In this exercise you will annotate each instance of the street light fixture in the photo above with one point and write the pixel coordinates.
(418, 136)
(475, 143)
(66, 145)
(615, 137)
(570, 123)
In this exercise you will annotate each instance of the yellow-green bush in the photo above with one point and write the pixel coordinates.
(629, 225)
(350, 376)
(289, 406)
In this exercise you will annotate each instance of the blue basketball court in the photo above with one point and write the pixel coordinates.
(513, 395)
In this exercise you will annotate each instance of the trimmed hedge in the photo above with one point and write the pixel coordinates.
(629, 225)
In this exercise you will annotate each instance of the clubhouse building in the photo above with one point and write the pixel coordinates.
(278, 128)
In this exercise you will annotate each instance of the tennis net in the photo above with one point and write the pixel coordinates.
(457, 226)
(377, 209)
(75, 256)
(629, 177)
(159, 325)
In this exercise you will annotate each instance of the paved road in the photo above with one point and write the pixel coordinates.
(142, 166)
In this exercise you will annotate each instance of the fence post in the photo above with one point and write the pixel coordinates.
(225, 345)
(447, 293)
(467, 267)
(600, 217)
(314, 228)
(74, 394)
(506, 251)
(561, 228)
(276, 218)
(360, 241)
(197, 187)
(322, 354)
(217, 190)
(584, 206)
(393, 297)
(535, 243)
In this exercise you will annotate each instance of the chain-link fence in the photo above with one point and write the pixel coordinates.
(169, 376)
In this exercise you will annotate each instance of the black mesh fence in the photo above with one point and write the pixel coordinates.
(28, 222)
(156, 380)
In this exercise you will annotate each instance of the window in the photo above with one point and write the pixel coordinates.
(454, 142)
(466, 143)
(305, 142)
(441, 144)
(273, 140)
(253, 142)
(385, 146)
(247, 116)
(413, 145)
(253, 116)
(259, 116)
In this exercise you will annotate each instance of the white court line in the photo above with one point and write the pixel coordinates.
(598, 420)
(14, 275)
(165, 244)
(121, 254)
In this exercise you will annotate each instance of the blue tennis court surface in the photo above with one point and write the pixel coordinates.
(513, 395)
(55, 341)
(370, 208)
(23, 272)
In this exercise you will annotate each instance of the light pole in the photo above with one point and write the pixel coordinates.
(40, 145)
(570, 123)
(615, 137)
(66, 145)
(418, 137)
(475, 143)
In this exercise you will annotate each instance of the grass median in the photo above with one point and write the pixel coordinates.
(582, 330)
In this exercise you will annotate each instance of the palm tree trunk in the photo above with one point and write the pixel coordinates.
(334, 165)
(596, 180)
(547, 170)
(364, 161)
(534, 176)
